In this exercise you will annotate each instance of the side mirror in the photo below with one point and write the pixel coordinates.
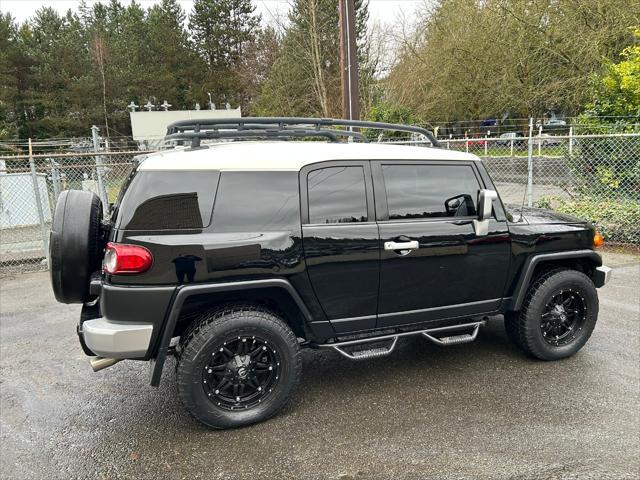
(485, 207)
(485, 203)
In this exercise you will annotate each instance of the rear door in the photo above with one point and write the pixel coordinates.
(433, 265)
(341, 243)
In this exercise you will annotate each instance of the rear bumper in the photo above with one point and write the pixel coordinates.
(110, 339)
(601, 276)
(125, 322)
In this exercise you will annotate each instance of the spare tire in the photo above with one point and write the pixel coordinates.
(75, 245)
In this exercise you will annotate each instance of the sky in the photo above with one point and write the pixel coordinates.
(273, 11)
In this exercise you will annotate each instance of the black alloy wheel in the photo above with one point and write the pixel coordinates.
(557, 316)
(242, 372)
(237, 365)
(563, 317)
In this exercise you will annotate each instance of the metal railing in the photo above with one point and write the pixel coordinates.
(596, 177)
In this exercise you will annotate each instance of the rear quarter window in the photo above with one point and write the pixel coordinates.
(257, 201)
(168, 200)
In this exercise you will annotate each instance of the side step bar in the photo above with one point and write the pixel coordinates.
(454, 339)
(428, 333)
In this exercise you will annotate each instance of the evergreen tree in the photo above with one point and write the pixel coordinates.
(54, 46)
(13, 69)
(171, 52)
(305, 79)
(221, 30)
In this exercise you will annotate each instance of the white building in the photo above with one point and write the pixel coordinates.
(149, 128)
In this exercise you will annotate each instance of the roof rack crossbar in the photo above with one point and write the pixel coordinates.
(221, 131)
(197, 129)
(196, 137)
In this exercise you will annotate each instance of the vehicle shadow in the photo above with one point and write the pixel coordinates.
(471, 388)
(416, 373)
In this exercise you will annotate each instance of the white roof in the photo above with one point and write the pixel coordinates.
(287, 155)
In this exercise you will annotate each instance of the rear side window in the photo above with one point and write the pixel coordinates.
(337, 195)
(257, 201)
(428, 191)
(168, 200)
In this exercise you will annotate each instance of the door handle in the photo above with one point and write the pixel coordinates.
(413, 245)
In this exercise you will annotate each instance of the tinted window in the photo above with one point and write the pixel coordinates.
(257, 201)
(168, 200)
(337, 195)
(421, 191)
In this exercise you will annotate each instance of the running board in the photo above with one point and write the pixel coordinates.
(428, 333)
(453, 339)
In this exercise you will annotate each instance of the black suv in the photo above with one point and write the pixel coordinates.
(236, 255)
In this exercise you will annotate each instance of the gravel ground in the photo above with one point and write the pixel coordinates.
(480, 410)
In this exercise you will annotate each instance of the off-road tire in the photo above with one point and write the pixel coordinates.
(524, 329)
(204, 338)
(75, 245)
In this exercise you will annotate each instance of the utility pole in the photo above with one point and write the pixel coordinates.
(349, 60)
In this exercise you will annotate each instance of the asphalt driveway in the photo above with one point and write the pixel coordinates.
(480, 410)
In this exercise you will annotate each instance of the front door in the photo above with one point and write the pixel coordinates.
(433, 265)
(341, 244)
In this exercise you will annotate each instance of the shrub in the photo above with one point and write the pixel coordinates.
(390, 113)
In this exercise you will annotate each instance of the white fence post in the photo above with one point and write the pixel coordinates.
(100, 171)
(512, 147)
(540, 140)
(530, 165)
(570, 140)
(38, 198)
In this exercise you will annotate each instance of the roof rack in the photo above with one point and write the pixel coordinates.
(281, 128)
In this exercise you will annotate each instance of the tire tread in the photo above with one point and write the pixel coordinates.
(520, 325)
(199, 333)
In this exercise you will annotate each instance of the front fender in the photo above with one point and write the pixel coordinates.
(532, 262)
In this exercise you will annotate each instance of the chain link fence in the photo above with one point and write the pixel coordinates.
(596, 177)
(29, 188)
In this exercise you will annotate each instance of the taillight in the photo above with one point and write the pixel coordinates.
(126, 259)
(598, 240)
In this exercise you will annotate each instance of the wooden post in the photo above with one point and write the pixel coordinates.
(530, 164)
(349, 60)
